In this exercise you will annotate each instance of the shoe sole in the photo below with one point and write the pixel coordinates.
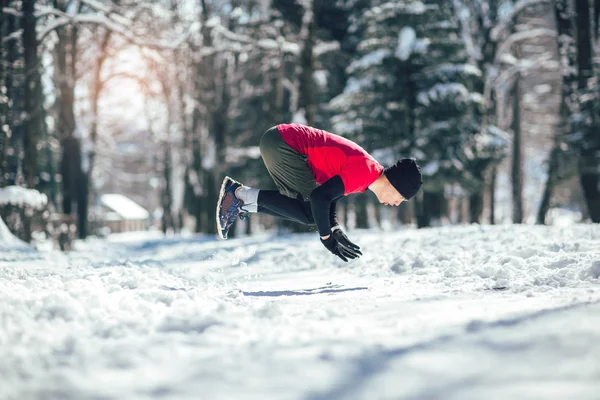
(221, 194)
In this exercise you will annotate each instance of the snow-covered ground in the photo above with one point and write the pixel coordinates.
(502, 312)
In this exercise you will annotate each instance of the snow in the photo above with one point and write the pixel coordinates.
(325, 47)
(11, 11)
(9, 242)
(431, 168)
(124, 206)
(117, 24)
(406, 43)
(22, 197)
(522, 36)
(321, 78)
(392, 8)
(447, 69)
(440, 91)
(368, 60)
(510, 19)
(278, 317)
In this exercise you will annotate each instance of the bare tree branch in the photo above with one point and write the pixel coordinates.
(521, 36)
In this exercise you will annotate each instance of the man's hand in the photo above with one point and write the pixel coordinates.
(339, 244)
(343, 240)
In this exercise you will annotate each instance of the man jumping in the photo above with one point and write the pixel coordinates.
(313, 169)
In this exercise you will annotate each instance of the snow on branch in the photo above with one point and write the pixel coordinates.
(442, 91)
(11, 11)
(13, 36)
(112, 25)
(266, 44)
(521, 36)
(509, 20)
(543, 63)
(368, 60)
(406, 43)
(22, 197)
(41, 11)
(96, 5)
(326, 47)
(393, 8)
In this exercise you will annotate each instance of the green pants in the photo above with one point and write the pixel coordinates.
(288, 168)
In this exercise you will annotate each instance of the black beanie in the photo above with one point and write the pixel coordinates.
(405, 176)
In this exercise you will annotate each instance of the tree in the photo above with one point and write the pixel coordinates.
(307, 61)
(4, 99)
(517, 154)
(12, 90)
(520, 30)
(371, 110)
(589, 161)
(477, 27)
(560, 153)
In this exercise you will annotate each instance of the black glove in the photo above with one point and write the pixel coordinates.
(343, 241)
(344, 249)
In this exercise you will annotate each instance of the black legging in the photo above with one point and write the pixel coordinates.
(274, 203)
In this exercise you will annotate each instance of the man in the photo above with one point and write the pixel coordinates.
(312, 170)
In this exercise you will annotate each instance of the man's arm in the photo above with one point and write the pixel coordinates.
(322, 203)
(333, 214)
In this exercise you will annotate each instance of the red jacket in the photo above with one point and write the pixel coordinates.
(330, 155)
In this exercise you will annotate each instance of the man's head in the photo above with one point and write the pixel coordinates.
(405, 177)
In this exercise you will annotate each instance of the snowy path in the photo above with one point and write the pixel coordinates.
(417, 317)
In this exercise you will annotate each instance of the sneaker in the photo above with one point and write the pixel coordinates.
(229, 207)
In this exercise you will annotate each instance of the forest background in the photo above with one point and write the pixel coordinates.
(158, 100)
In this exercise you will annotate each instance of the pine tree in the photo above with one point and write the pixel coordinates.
(588, 98)
(413, 90)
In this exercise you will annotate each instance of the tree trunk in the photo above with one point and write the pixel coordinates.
(166, 192)
(32, 103)
(5, 73)
(307, 63)
(97, 86)
(195, 175)
(378, 211)
(423, 220)
(14, 96)
(168, 220)
(4, 127)
(428, 206)
(433, 204)
(597, 18)
(73, 177)
(493, 196)
(550, 183)
(589, 161)
(475, 207)
(360, 210)
(345, 211)
(209, 100)
(517, 156)
(32, 109)
(70, 170)
(404, 214)
(564, 28)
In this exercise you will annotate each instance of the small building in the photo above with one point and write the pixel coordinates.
(121, 214)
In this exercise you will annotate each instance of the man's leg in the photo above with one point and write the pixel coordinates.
(274, 203)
